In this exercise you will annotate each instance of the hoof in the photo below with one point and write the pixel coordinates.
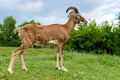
(10, 71)
(25, 69)
(64, 69)
(58, 68)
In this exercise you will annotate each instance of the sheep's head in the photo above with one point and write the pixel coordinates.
(76, 15)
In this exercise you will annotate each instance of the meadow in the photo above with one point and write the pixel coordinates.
(41, 66)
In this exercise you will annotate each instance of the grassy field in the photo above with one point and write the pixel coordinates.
(41, 66)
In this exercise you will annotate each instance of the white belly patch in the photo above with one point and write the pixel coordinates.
(55, 42)
(37, 43)
(51, 42)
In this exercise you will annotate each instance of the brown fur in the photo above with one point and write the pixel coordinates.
(43, 34)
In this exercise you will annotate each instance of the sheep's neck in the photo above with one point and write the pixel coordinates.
(70, 24)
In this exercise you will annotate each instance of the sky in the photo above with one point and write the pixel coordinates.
(54, 11)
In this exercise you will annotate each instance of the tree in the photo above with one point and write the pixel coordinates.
(119, 16)
(8, 37)
(1, 35)
(30, 22)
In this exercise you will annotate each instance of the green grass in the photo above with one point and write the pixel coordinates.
(41, 66)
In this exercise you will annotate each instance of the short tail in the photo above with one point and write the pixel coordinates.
(16, 30)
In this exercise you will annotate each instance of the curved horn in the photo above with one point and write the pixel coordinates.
(72, 7)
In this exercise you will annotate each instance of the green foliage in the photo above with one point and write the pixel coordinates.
(7, 37)
(30, 22)
(92, 37)
(41, 66)
(119, 16)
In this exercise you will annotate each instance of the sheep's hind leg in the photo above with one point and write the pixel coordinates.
(22, 62)
(14, 54)
(22, 57)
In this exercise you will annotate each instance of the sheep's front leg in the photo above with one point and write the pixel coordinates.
(62, 60)
(57, 59)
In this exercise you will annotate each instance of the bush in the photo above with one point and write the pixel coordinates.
(99, 39)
